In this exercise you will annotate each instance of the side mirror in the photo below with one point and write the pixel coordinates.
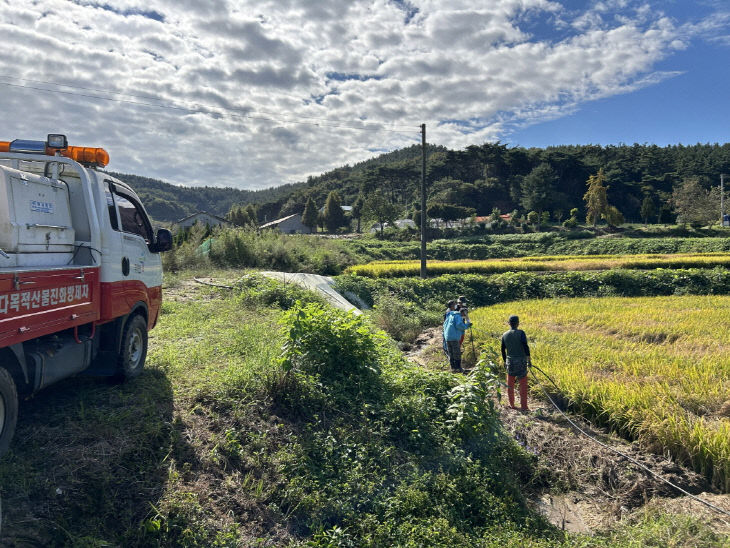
(163, 241)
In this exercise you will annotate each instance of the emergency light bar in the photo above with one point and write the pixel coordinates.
(57, 144)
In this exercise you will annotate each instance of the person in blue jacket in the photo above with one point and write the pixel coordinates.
(450, 307)
(454, 328)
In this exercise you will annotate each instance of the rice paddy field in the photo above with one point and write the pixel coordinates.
(655, 369)
(392, 269)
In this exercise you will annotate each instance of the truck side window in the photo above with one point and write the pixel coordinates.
(110, 206)
(132, 217)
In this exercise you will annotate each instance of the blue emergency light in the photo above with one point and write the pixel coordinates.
(32, 147)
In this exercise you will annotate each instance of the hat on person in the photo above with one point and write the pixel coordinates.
(513, 320)
(462, 299)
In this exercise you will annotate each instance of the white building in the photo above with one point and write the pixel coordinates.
(289, 225)
(345, 209)
(399, 223)
(203, 218)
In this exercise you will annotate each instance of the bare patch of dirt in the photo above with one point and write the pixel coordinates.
(583, 487)
(427, 351)
(725, 409)
(424, 349)
(188, 289)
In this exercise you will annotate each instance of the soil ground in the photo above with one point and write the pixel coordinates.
(579, 485)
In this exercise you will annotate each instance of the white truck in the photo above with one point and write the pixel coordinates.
(80, 271)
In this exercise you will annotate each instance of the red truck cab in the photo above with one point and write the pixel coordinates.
(80, 271)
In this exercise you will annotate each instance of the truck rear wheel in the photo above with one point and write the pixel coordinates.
(8, 409)
(134, 348)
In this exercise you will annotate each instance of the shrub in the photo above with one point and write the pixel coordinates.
(255, 290)
(401, 319)
(472, 412)
(336, 348)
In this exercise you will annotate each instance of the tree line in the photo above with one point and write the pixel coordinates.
(644, 183)
(613, 184)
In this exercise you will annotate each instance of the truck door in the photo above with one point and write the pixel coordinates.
(140, 269)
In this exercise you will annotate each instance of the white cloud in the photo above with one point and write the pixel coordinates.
(471, 72)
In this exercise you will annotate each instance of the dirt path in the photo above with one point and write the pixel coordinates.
(579, 485)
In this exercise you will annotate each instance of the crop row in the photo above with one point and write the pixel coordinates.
(482, 290)
(654, 369)
(385, 269)
(522, 245)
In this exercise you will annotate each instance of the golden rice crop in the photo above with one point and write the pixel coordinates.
(388, 269)
(656, 369)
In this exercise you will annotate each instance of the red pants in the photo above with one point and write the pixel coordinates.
(511, 392)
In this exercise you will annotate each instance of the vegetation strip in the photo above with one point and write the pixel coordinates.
(543, 263)
(481, 290)
(654, 369)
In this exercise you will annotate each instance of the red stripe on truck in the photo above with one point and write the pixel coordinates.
(118, 298)
(38, 303)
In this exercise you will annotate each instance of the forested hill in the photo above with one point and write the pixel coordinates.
(169, 203)
(480, 177)
(553, 179)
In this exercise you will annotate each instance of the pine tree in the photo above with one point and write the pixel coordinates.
(538, 188)
(647, 209)
(310, 216)
(596, 198)
(334, 216)
(357, 210)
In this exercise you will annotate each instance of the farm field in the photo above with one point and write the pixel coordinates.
(380, 269)
(655, 369)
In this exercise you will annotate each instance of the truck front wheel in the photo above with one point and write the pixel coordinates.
(8, 409)
(134, 348)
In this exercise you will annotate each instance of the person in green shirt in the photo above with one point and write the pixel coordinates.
(516, 356)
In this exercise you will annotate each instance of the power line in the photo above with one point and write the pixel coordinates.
(200, 108)
(620, 453)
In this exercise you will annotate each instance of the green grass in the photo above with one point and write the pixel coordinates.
(246, 431)
(546, 243)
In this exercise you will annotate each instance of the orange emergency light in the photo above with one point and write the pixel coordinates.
(57, 144)
(83, 155)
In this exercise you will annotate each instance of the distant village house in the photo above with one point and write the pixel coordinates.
(289, 225)
(203, 218)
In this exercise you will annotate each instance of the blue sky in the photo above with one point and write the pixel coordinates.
(692, 107)
(257, 93)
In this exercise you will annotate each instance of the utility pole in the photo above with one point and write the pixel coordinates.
(423, 200)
